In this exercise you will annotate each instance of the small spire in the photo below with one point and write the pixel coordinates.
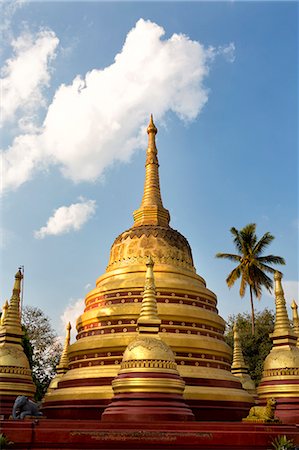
(294, 307)
(149, 321)
(282, 331)
(12, 317)
(238, 359)
(4, 312)
(63, 365)
(239, 369)
(151, 211)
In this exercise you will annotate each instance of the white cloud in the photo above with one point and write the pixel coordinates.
(100, 118)
(8, 9)
(291, 291)
(71, 313)
(26, 74)
(67, 218)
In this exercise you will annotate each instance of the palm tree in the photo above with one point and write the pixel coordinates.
(252, 265)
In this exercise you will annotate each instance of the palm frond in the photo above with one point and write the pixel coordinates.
(237, 239)
(260, 246)
(233, 276)
(229, 256)
(271, 259)
(243, 286)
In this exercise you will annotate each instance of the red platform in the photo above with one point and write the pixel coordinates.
(46, 434)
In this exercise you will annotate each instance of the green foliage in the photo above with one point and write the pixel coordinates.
(4, 441)
(27, 346)
(255, 347)
(41, 346)
(282, 443)
(251, 265)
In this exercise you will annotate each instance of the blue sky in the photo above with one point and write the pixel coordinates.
(224, 94)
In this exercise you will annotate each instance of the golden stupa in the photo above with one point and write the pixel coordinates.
(190, 323)
(15, 372)
(239, 368)
(148, 386)
(281, 368)
(63, 365)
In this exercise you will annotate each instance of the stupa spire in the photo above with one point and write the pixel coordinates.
(238, 359)
(151, 211)
(149, 321)
(282, 333)
(294, 307)
(63, 365)
(239, 368)
(12, 319)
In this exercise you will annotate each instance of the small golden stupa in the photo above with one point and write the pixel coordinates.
(281, 368)
(294, 307)
(190, 324)
(63, 365)
(15, 372)
(148, 386)
(239, 369)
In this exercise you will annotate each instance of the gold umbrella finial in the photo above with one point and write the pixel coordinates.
(149, 321)
(151, 211)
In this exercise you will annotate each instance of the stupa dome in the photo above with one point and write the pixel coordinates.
(12, 356)
(148, 348)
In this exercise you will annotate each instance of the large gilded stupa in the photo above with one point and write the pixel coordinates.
(190, 323)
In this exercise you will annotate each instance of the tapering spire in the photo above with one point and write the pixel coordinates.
(149, 321)
(239, 368)
(4, 312)
(151, 211)
(294, 307)
(282, 333)
(63, 365)
(238, 359)
(12, 317)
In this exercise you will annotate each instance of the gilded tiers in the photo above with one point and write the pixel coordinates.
(190, 324)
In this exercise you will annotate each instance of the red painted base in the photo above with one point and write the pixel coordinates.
(91, 409)
(6, 405)
(45, 434)
(137, 407)
(287, 409)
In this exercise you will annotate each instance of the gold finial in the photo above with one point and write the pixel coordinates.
(12, 316)
(149, 321)
(282, 331)
(294, 307)
(151, 211)
(63, 365)
(4, 311)
(238, 359)
(151, 126)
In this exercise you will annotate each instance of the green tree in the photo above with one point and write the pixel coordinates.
(255, 347)
(43, 349)
(252, 265)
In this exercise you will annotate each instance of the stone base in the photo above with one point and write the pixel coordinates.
(90, 435)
